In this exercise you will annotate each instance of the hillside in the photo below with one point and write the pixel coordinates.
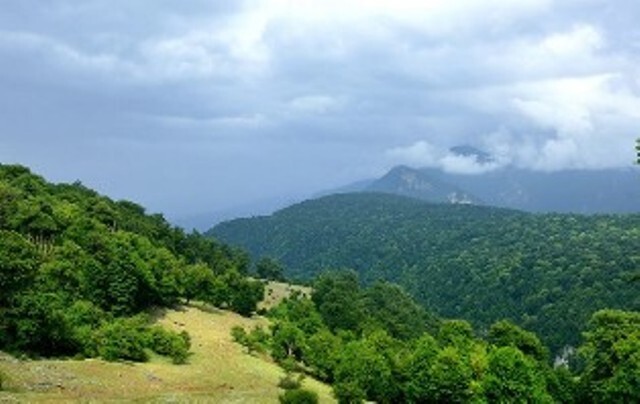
(547, 272)
(219, 370)
(79, 272)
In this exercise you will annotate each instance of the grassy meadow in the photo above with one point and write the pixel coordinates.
(219, 370)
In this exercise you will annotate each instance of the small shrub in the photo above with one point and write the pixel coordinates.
(122, 338)
(299, 396)
(239, 335)
(169, 343)
(256, 340)
(288, 382)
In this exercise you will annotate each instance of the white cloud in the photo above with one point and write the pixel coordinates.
(421, 153)
(424, 154)
(589, 117)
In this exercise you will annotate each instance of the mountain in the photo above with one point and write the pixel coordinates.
(418, 184)
(569, 191)
(614, 190)
(547, 272)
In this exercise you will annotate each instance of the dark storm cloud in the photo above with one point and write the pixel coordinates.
(201, 104)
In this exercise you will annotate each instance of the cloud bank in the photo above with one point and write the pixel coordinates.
(200, 105)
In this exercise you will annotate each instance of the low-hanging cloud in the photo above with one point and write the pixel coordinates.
(424, 154)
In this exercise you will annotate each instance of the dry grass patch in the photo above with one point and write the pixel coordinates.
(275, 292)
(218, 371)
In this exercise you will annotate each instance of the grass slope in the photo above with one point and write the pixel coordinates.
(218, 371)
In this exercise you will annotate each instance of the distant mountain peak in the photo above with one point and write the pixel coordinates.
(407, 181)
(481, 156)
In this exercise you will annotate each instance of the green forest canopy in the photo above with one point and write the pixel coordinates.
(375, 343)
(546, 272)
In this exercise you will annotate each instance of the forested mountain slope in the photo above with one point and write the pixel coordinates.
(76, 267)
(547, 272)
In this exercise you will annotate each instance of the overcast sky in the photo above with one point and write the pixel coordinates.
(195, 106)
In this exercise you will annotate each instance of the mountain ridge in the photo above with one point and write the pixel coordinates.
(547, 272)
(601, 191)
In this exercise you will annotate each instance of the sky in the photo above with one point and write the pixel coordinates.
(199, 106)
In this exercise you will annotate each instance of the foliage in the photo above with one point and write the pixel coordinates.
(122, 339)
(168, 343)
(298, 396)
(449, 364)
(322, 353)
(287, 341)
(504, 333)
(75, 266)
(289, 382)
(545, 272)
(270, 269)
(420, 362)
(18, 264)
(389, 307)
(38, 324)
(612, 355)
(512, 377)
(255, 341)
(450, 377)
(360, 364)
(336, 294)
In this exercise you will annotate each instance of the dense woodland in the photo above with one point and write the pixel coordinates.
(79, 273)
(377, 344)
(545, 272)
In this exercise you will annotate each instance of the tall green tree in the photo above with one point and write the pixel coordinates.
(612, 355)
(363, 370)
(422, 358)
(512, 377)
(270, 268)
(388, 306)
(505, 333)
(336, 294)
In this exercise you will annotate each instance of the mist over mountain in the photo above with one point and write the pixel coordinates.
(205, 220)
(568, 191)
(612, 190)
(406, 181)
